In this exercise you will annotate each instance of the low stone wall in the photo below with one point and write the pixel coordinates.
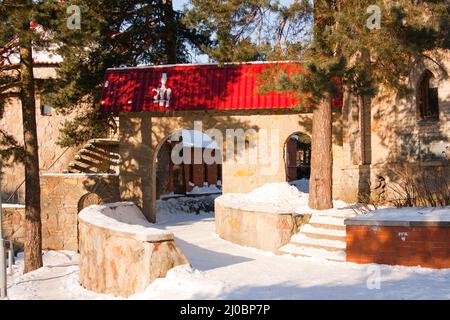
(13, 224)
(415, 243)
(120, 252)
(261, 230)
(63, 196)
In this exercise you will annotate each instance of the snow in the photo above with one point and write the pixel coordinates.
(123, 217)
(41, 56)
(313, 252)
(13, 206)
(269, 198)
(408, 214)
(301, 238)
(205, 190)
(183, 205)
(196, 139)
(223, 270)
(279, 198)
(58, 279)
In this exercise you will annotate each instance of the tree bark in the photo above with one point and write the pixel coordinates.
(321, 181)
(170, 31)
(33, 232)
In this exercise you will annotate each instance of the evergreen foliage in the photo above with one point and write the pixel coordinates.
(113, 33)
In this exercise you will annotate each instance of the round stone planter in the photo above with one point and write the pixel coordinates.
(120, 252)
(261, 230)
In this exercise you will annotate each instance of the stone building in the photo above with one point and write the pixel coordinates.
(52, 158)
(372, 141)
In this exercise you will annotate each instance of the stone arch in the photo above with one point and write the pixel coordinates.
(297, 156)
(418, 71)
(427, 99)
(155, 164)
(85, 201)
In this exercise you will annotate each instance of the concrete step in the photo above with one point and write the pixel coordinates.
(76, 168)
(327, 226)
(313, 252)
(323, 233)
(302, 240)
(99, 155)
(327, 222)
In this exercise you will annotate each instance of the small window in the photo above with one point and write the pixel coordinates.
(46, 108)
(428, 100)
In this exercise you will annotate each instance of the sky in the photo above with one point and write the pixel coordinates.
(179, 4)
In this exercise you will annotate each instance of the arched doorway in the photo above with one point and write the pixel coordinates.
(188, 169)
(297, 154)
(85, 201)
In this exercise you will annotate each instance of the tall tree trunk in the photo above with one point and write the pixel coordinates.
(33, 232)
(321, 181)
(170, 31)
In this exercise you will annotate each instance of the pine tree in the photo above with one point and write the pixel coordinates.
(367, 57)
(339, 47)
(17, 38)
(112, 33)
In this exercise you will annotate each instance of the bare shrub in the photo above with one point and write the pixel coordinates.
(418, 187)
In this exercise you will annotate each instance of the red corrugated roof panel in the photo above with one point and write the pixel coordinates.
(193, 87)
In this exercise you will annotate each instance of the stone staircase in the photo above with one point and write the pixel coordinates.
(323, 236)
(96, 156)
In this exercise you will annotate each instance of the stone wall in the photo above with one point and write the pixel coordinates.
(52, 158)
(63, 196)
(13, 224)
(386, 133)
(123, 263)
(142, 134)
(261, 230)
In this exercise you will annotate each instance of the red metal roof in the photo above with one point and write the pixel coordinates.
(193, 87)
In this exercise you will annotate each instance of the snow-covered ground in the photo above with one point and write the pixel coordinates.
(408, 214)
(222, 270)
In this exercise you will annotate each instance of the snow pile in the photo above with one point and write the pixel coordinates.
(271, 198)
(194, 139)
(205, 190)
(123, 217)
(57, 279)
(408, 214)
(187, 282)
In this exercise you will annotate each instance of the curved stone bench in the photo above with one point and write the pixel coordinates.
(121, 253)
(252, 228)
